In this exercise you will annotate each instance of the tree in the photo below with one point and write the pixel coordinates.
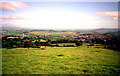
(28, 44)
(79, 43)
(91, 44)
(22, 42)
(48, 43)
(37, 43)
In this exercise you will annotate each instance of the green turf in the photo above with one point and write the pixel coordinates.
(61, 44)
(60, 60)
(56, 33)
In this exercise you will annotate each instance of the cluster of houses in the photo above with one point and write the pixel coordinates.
(107, 39)
(71, 38)
(74, 37)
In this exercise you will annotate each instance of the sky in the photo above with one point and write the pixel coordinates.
(59, 15)
(65, 0)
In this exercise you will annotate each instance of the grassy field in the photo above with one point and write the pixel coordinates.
(61, 44)
(60, 60)
(55, 33)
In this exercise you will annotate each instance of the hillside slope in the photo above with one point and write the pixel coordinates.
(60, 60)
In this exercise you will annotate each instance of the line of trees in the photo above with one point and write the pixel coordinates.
(36, 44)
(113, 43)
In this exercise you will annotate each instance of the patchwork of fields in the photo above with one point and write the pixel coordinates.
(60, 60)
(54, 33)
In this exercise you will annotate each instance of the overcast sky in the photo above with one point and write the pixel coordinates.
(60, 15)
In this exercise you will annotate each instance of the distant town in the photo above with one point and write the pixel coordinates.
(43, 37)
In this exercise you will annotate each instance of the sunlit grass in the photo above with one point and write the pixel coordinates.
(55, 33)
(60, 60)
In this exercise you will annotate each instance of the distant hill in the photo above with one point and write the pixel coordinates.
(44, 30)
(106, 29)
(9, 27)
(13, 27)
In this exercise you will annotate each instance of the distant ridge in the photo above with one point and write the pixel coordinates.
(9, 27)
(106, 29)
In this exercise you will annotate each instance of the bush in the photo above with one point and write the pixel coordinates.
(91, 44)
(29, 44)
(79, 43)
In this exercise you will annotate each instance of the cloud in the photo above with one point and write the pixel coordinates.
(1, 21)
(113, 15)
(12, 17)
(12, 5)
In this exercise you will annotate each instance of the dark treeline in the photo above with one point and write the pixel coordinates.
(27, 42)
(111, 41)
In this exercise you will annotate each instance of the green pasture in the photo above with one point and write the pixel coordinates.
(55, 39)
(61, 44)
(56, 33)
(60, 60)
